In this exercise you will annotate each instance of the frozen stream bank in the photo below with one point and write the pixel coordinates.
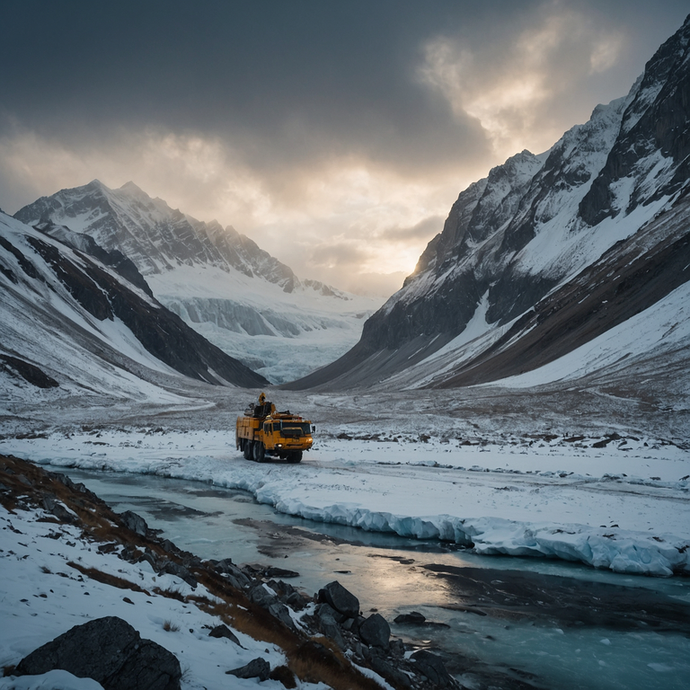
(542, 623)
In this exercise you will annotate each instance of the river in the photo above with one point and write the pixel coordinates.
(538, 623)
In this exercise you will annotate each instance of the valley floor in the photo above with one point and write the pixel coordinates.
(504, 473)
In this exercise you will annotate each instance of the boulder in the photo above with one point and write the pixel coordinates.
(173, 568)
(328, 626)
(433, 668)
(413, 618)
(134, 522)
(385, 668)
(232, 573)
(110, 651)
(262, 596)
(55, 507)
(343, 601)
(375, 631)
(256, 668)
(282, 613)
(224, 631)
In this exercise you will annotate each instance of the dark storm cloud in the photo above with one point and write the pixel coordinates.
(331, 119)
(288, 81)
(312, 78)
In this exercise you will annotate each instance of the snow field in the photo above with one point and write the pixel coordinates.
(41, 597)
(624, 507)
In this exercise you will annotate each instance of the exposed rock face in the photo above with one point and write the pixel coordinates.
(43, 270)
(535, 222)
(110, 651)
(32, 374)
(113, 258)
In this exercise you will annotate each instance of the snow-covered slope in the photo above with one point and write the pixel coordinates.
(603, 212)
(71, 324)
(219, 282)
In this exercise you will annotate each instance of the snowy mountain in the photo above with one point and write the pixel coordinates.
(550, 252)
(219, 282)
(83, 325)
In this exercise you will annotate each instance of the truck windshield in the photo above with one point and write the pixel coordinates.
(295, 428)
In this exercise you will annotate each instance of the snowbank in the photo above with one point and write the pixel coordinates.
(624, 507)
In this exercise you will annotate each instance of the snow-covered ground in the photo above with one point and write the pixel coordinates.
(620, 503)
(43, 596)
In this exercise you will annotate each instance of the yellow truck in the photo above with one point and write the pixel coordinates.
(262, 432)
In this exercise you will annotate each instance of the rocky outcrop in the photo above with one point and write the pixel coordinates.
(20, 368)
(110, 651)
(308, 627)
(257, 668)
(533, 224)
(38, 264)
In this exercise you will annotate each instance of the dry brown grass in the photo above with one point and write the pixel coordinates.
(312, 660)
(170, 593)
(107, 578)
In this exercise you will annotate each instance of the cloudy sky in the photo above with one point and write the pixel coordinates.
(335, 133)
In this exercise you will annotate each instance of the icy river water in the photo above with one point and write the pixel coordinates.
(545, 623)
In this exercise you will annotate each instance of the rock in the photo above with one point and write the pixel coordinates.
(375, 631)
(233, 574)
(433, 668)
(340, 599)
(168, 546)
(385, 668)
(55, 507)
(281, 612)
(261, 596)
(134, 522)
(297, 600)
(273, 571)
(327, 624)
(172, 568)
(149, 557)
(224, 631)
(256, 668)
(397, 648)
(110, 651)
(414, 618)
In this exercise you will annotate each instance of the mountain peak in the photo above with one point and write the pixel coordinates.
(95, 185)
(131, 188)
(534, 224)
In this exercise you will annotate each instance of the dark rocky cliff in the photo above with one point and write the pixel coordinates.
(535, 223)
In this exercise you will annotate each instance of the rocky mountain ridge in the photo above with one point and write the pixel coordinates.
(536, 224)
(218, 281)
(92, 322)
(154, 236)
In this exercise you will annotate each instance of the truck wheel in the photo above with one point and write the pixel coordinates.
(247, 449)
(295, 457)
(259, 451)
